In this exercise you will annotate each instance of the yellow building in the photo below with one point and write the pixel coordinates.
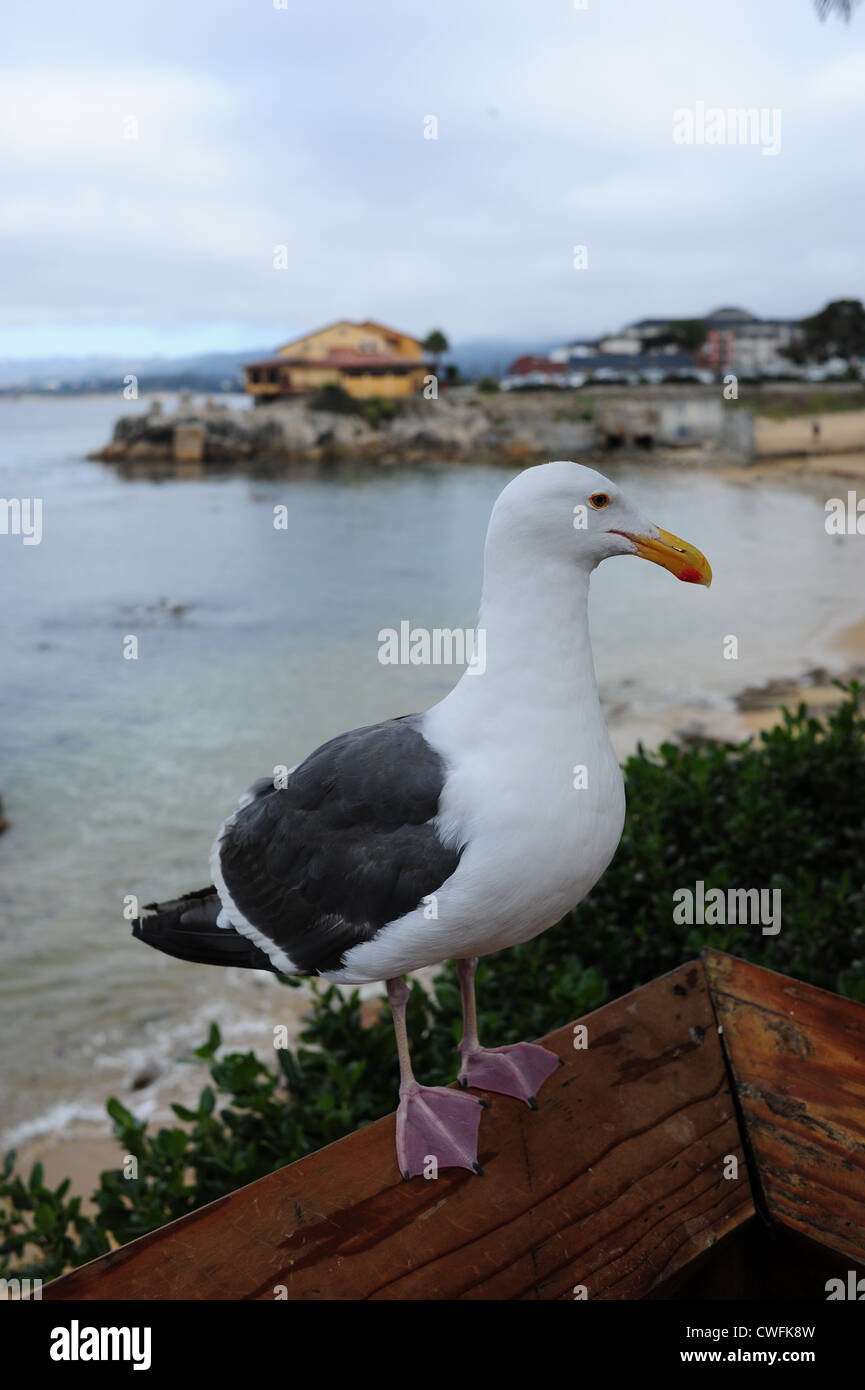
(365, 359)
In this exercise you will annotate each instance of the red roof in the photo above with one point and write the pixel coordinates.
(523, 365)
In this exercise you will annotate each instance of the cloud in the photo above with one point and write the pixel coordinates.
(258, 128)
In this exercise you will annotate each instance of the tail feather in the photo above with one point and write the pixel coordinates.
(186, 928)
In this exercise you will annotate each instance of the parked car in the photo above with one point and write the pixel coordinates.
(610, 376)
(782, 371)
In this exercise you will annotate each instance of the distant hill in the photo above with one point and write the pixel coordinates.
(42, 372)
(206, 370)
(491, 356)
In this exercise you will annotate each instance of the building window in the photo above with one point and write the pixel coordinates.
(272, 375)
(253, 376)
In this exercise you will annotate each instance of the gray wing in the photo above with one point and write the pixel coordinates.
(346, 846)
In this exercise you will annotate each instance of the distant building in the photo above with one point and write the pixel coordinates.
(619, 343)
(737, 339)
(645, 329)
(529, 365)
(610, 368)
(365, 359)
(582, 347)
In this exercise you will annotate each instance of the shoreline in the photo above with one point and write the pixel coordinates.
(671, 423)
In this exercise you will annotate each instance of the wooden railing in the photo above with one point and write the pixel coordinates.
(716, 1099)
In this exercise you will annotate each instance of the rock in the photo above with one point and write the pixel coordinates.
(756, 697)
(144, 1078)
(144, 451)
(454, 427)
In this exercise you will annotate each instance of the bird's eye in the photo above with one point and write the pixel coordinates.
(599, 500)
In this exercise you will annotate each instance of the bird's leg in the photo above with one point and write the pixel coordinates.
(436, 1126)
(518, 1070)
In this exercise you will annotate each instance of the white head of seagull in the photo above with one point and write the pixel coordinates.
(563, 512)
(550, 527)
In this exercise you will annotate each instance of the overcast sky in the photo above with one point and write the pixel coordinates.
(303, 127)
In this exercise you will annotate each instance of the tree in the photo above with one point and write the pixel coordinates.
(844, 8)
(837, 331)
(688, 335)
(435, 343)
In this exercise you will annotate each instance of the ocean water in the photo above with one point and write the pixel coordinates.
(256, 644)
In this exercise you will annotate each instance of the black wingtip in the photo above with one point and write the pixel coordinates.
(476, 1168)
(186, 929)
(532, 1103)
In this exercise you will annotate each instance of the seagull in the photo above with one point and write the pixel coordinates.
(450, 834)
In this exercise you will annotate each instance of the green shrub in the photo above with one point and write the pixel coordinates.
(488, 385)
(787, 811)
(335, 399)
(378, 410)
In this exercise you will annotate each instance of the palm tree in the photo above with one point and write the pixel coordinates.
(844, 8)
(435, 343)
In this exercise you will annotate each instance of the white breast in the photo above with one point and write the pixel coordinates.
(533, 795)
(539, 807)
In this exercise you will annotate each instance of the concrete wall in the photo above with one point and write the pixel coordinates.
(675, 422)
(690, 421)
(737, 434)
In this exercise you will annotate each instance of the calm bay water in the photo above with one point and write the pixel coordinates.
(254, 646)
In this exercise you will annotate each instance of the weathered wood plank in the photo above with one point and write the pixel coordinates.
(615, 1183)
(798, 1059)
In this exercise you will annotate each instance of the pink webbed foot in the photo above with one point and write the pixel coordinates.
(518, 1070)
(436, 1122)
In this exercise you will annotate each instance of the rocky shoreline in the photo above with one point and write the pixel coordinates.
(452, 429)
(462, 425)
(690, 425)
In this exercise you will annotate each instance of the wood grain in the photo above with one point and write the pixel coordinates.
(798, 1059)
(616, 1183)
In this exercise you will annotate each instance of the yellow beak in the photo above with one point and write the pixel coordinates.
(685, 561)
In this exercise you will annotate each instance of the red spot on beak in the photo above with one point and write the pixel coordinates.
(690, 577)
